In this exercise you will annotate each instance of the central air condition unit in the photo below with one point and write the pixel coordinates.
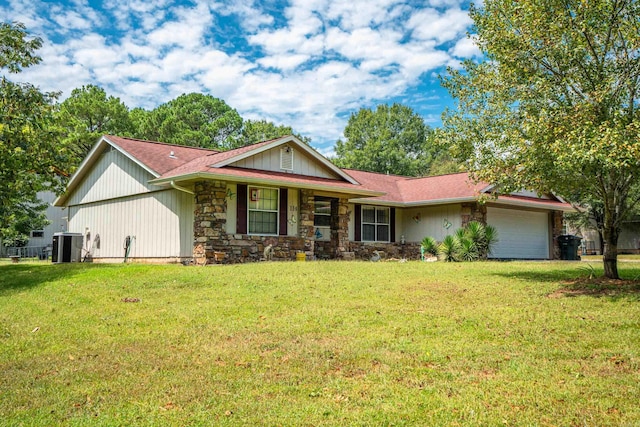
(67, 247)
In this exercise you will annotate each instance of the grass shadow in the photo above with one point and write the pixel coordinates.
(21, 276)
(585, 280)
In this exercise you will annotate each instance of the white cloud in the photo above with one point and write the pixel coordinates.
(430, 24)
(466, 48)
(307, 65)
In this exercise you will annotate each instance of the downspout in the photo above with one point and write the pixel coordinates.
(177, 187)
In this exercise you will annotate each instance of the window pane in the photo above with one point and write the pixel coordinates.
(382, 216)
(383, 233)
(263, 222)
(322, 207)
(264, 199)
(322, 220)
(368, 232)
(368, 214)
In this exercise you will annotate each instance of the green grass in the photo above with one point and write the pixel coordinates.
(318, 343)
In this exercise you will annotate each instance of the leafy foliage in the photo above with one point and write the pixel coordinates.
(32, 159)
(429, 245)
(261, 130)
(471, 243)
(390, 139)
(88, 114)
(193, 119)
(554, 107)
(449, 249)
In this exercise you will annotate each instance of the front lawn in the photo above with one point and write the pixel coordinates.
(319, 343)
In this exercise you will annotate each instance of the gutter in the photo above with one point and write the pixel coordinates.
(177, 187)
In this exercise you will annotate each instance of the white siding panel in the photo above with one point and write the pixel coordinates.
(114, 175)
(161, 222)
(57, 217)
(418, 223)
(302, 163)
(521, 234)
(232, 208)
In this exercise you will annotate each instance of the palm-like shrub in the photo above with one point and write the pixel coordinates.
(490, 238)
(429, 245)
(473, 242)
(448, 250)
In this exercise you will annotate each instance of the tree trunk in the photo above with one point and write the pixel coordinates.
(610, 254)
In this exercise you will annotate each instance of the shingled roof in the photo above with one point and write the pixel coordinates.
(168, 163)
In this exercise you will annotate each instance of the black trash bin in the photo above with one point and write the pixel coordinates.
(569, 247)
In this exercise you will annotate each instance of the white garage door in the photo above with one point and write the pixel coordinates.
(521, 234)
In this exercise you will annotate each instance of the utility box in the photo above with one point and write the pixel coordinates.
(569, 247)
(67, 247)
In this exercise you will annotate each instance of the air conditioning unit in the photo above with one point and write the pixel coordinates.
(67, 247)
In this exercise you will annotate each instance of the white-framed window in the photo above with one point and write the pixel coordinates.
(263, 206)
(37, 233)
(375, 224)
(322, 212)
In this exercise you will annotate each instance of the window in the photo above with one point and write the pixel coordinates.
(375, 224)
(37, 233)
(322, 212)
(263, 210)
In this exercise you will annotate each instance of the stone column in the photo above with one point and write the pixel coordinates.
(210, 218)
(473, 211)
(342, 232)
(305, 227)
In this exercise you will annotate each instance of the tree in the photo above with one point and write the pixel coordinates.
(554, 105)
(389, 139)
(31, 157)
(89, 113)
(261, 130)
(194, 119)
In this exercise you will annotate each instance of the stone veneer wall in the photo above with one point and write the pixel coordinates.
(210, 235)
(473, 212)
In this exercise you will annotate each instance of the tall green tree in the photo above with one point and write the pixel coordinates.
(89, 113)
(554, 105)
(193, 119)
(261, 130)
(390, 139)
(31, 158)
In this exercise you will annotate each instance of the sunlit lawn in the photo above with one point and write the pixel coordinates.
(319, 343)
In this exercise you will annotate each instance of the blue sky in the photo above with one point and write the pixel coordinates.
(304, 63)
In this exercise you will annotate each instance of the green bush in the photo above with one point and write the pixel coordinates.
(429, 245)
(471, 243)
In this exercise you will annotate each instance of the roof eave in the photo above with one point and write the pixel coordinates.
(263, 181)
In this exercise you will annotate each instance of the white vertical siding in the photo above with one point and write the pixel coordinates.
(418, 223)
(162, 223)
(293, 212)
(232, 207)
(302, 163)
(57, 217)
(114, 175)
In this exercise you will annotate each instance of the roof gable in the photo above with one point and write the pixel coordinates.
(234, 157)
(154, 157)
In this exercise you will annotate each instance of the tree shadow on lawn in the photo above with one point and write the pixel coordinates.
(585, 281)
(17, 277)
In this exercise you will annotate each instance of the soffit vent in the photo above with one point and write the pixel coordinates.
(286, 158)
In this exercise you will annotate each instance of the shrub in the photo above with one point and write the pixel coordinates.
(429, 245)
(448, 250)
(473, 242)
